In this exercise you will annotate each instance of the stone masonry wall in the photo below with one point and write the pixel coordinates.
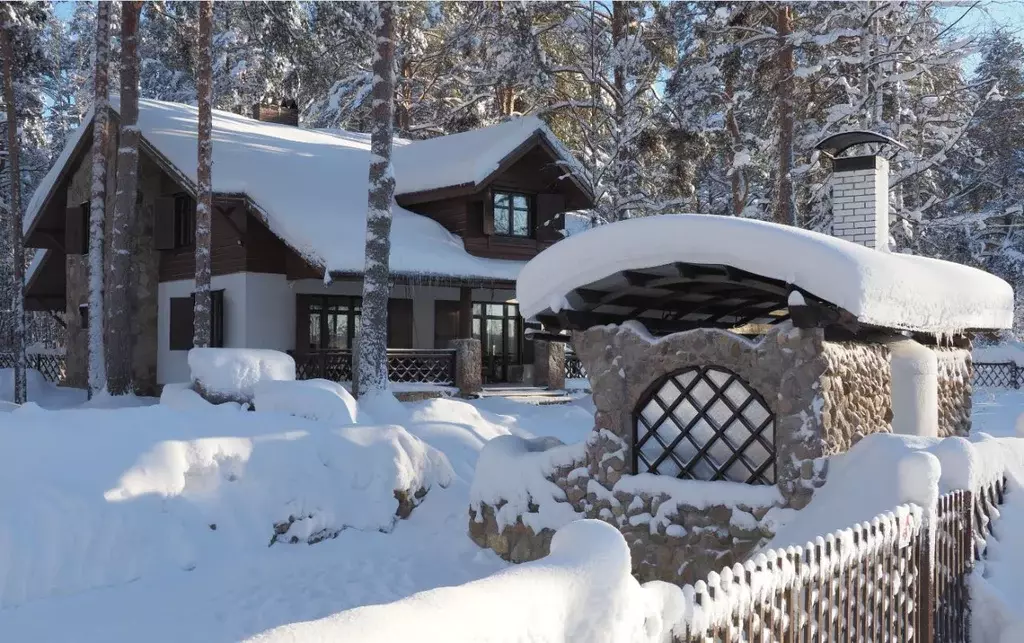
(956, 370)
(145, 265)
(856, 390)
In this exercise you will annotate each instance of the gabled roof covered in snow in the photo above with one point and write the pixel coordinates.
(678, 270)
(310, 186)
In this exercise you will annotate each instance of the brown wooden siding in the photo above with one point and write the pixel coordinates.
(228, 252)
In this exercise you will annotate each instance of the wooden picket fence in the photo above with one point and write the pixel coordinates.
(898, 578)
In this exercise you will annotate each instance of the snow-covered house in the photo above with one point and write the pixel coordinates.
(729, 359)
(289, 215)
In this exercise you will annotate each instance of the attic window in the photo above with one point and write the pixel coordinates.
(184, 221)
(512, 213)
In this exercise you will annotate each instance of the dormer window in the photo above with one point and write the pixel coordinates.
(512, 214)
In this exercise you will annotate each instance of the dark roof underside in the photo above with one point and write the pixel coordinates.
(675, 297)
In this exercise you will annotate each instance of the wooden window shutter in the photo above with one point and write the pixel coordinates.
(549, 216)
(181, 323)
(400, 323)
(488, 213)
(163, 225)
(216, 318)
(302, 323)
(76, 230)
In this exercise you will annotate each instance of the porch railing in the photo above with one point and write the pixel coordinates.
(52, 367)
(419, 366)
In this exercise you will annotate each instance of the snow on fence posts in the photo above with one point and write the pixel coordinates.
(900, 577)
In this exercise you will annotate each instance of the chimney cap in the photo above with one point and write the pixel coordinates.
(836, 144)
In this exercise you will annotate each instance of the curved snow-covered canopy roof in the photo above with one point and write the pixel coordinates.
(679, 271)
(310, 186)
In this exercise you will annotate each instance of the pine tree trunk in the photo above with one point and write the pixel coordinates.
(372, 375)
(204, 202)
(123, 222)
(784, 210)
(14, 172)
(98, 202)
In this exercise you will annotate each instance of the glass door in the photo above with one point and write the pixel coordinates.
(499, 330)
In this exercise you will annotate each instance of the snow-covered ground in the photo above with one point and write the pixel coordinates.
(105, 515)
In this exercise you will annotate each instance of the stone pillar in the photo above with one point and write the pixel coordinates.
(549, 364)
(468, 366)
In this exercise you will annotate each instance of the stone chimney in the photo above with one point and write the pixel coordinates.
(860, 189)
(287, 113)
(860, 200)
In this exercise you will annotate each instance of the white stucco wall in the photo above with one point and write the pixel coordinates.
(259, 312)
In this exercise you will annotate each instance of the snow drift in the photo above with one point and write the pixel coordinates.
(582, 592)
(224, 374)
(90, 498)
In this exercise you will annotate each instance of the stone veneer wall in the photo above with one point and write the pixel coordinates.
(145, 272)
(956, 371)
(856, 390)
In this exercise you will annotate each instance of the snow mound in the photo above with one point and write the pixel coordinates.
(514, 470)
(582, 592)
(879, 288)
(91, 498)
(181, 397)
(321, 400)
(223, 374)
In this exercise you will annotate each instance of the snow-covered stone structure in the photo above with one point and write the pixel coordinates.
(729, 359)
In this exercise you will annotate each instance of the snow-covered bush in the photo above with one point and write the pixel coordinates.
(582, 592)
(230, 374)
(321, 400)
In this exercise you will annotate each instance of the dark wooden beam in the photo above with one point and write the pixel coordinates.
(466, 312)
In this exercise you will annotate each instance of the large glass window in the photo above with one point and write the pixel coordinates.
(512, 214)
(334, 322)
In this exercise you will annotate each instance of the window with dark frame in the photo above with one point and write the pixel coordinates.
(182, 310)
(184, 221)
(499, 329)
(334, 322)
(513, 214)
(86, 209)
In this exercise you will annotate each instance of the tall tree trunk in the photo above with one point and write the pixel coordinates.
(204, 202)
(122, 225)
(98, 201)
(372, 366)
(14, 172)
(785, 212)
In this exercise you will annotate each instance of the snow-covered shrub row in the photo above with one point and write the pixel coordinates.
(321, 400)
(582, 592)
(231, 374)
(90, 498)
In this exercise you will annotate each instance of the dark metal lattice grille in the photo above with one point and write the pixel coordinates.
(573, 367)
(705, 423)
(997, 374)
(52, 367)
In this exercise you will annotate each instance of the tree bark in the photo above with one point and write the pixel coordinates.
(204, 201)
(98, 202)
(785, 212)
(123, 222)
(372, 376)
(14, 172)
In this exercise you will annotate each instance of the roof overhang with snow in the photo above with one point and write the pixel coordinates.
(309, 187)
(682, 271)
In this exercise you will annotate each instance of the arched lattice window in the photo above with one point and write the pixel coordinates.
(705, 423)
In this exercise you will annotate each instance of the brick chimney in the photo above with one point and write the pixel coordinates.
(860, 189)
(287, 113)
(860, 200)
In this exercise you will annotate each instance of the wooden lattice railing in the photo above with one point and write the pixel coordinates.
(52, 367)
(421, 366)
(997, 375)
(901, 577)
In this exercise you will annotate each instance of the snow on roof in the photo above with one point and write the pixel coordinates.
(879, 288)
(34, 265)
(311, 185)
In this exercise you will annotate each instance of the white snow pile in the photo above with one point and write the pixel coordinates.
(1008, 351)
(880, 288)
(317, 399)
(224, 374)
(514, 470)
(180, 397)
(582, 592)
(91, 498)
